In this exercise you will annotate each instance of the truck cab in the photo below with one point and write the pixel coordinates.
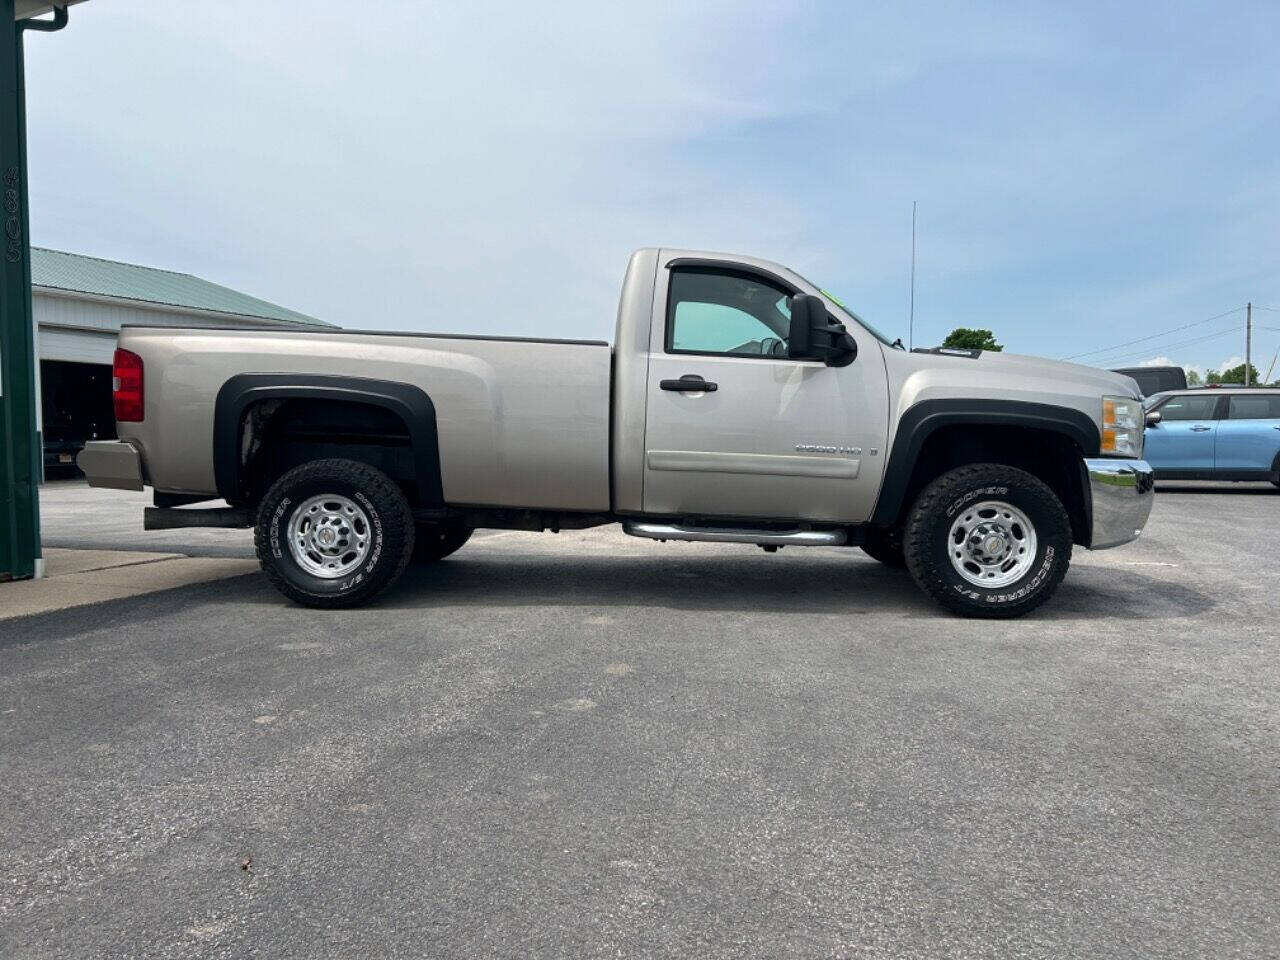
(735, 423)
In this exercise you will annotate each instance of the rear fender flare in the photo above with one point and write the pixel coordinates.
(410, 403)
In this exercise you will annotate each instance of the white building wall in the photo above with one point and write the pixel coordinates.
(82, 329)
(78, 346)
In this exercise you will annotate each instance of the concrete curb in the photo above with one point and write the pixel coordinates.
(77, 578)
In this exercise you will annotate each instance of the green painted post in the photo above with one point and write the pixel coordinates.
(19, 476)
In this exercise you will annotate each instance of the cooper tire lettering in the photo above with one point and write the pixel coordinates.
(928, 549)
(390, 526)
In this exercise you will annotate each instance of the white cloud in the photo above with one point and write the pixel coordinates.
(1232, 361)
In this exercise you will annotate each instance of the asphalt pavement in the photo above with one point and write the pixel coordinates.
(586, 745)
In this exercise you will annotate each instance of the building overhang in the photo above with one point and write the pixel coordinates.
(25, 9)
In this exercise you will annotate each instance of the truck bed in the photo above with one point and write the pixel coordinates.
(520, 422)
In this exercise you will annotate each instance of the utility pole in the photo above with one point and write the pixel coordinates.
(1248, 340)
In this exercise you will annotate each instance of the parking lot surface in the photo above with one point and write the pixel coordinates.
(586, 745)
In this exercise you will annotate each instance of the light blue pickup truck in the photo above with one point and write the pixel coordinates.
(1215, 434)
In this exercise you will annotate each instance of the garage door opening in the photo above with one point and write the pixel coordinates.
(75, 399)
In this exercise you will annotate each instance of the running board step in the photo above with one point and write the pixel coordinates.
(178, 518)
(765, 538)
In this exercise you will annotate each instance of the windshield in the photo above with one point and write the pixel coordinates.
(858, 320)
(862, 323)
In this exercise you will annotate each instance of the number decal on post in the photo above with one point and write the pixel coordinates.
(13, 215)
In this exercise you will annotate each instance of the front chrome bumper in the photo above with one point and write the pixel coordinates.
(1120, 496)
(111, 463)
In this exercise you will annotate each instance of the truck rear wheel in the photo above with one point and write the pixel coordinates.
(988, 540)
(333, 533)
(435, 541)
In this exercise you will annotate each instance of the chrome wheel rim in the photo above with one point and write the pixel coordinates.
(992, 544)
(329, 536)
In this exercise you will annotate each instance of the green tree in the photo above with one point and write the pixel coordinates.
(963, 338)
(1193, 378)
(1234, 375)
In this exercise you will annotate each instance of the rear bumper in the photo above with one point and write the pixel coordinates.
(111, 463)
(1120, 493)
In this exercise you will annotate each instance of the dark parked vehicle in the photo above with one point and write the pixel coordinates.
(1153, 380)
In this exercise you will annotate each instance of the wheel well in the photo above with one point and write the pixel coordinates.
(265, 423)
(1048, 455)
(277, 435)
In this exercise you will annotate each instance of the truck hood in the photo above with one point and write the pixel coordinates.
(1103, 381)
(914, 377)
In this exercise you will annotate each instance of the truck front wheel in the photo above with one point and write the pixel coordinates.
(987, 540)
(333, 533)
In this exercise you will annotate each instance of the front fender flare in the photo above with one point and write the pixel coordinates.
(925, 418)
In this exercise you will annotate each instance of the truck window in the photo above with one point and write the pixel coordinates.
(723, 312)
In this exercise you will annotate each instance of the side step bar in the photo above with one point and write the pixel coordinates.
(176, 518)
(765, 538)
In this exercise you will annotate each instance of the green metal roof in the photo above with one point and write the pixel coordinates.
(110, 278)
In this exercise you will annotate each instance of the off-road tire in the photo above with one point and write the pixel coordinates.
(927, 546)
(435, 541)
(885, 544)
(390, 521)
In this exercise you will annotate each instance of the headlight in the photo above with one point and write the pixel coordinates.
(1122, 425)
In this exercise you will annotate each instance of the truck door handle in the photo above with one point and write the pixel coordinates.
(690, 383)
(1200, 429)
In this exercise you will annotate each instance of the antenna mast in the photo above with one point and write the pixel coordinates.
(911, 321)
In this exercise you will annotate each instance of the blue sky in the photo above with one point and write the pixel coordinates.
(1087, 174)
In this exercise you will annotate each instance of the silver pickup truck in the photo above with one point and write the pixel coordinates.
(740, 403)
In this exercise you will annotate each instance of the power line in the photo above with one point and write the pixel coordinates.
(1165, 346)
(1258, 306)
(1154, 336)
(1120, 358)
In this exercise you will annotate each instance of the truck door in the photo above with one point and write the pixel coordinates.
(735, 428)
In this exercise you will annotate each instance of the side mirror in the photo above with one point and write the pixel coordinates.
(1153, 418)
(814, 336)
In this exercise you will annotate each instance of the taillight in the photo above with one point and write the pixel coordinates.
(126, 386)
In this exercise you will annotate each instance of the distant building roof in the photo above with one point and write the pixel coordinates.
(109, 278)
